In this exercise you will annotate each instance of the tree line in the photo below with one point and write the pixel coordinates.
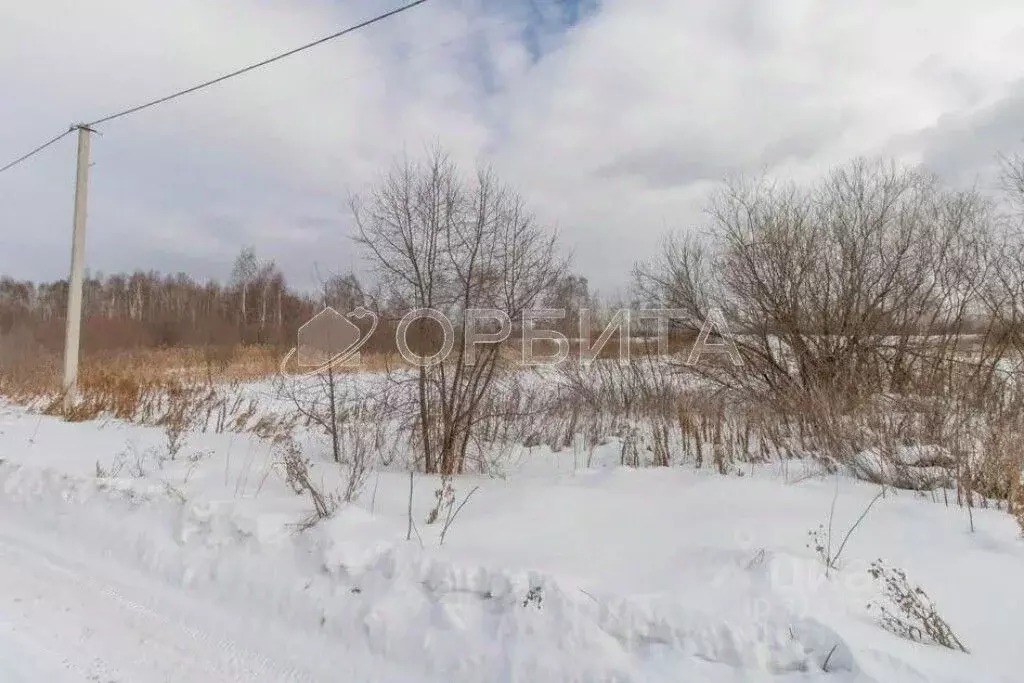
(255, 304)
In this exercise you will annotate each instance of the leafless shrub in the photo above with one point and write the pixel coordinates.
(176, 427)
(444, 504)
(298, 476)
(829, 286)
(411, 523)
(361, 443)
(1016, 505)
(821, 540)
(444, 498)
(910, 613)
(172, 491)
(661, 415)
(879, 318)
(453, 512)
(322, 403)
(132, 461)
(358, 428)
(534, 597)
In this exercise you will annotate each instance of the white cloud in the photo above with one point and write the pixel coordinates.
(614, 134)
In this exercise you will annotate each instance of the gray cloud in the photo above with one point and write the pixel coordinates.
(664, 168)
(964, 147)
(613, 121)
(683, 161)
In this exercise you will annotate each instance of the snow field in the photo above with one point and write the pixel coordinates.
(553, 574)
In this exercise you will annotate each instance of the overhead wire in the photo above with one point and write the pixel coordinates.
(257, 65)
(38, 149)
(435, 48)
(224, 77)
(214, 81)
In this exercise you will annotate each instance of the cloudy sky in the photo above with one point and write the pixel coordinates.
(614, 118)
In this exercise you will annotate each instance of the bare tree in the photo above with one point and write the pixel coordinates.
(1012, 181)
(242, 274)
(439, 241)
(267, 280)
(344, 292)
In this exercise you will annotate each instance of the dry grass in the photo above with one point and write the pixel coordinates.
(964, 438)
(40, 373)
(178, 390)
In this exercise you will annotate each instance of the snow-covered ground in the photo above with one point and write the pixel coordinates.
(195, 571)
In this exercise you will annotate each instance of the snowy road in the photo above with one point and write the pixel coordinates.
(98, 630)
(24, 661)
(70, 619)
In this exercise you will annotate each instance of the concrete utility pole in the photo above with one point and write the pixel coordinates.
(72, 337)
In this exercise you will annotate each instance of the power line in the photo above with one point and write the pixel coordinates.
(219, 79)
(38, 149)
(252, 67)
(407, 57)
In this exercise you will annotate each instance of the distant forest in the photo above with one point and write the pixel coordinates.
(254, 305)
(151, 309)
